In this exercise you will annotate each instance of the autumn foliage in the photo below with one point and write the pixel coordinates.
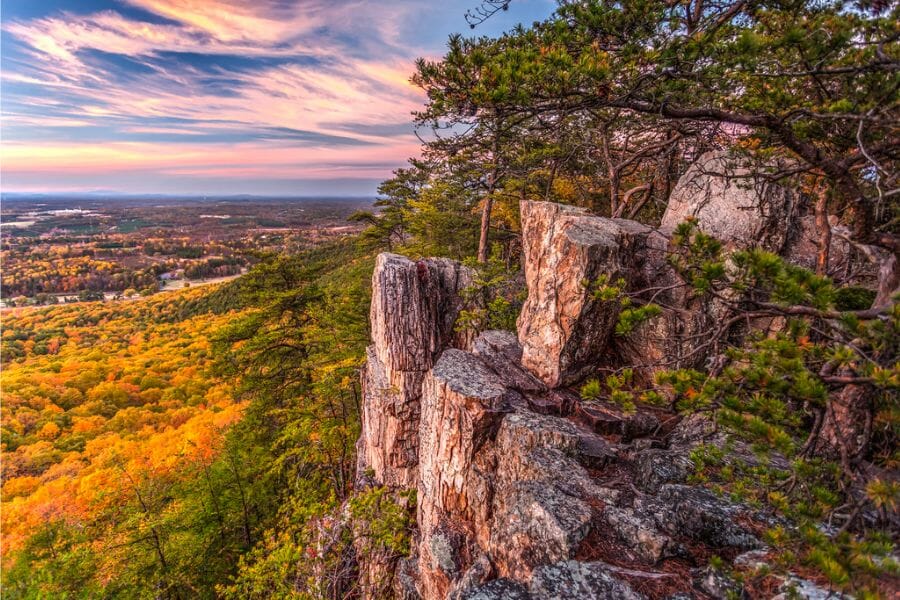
(107, 408)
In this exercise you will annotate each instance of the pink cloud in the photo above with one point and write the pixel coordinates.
(317, 88)
(263, 21)
(279, 160)
(61, 38)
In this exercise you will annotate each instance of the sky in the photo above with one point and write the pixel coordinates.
(205, 97)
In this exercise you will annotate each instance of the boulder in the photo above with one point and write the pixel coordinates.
(729, 201)
(559, 402)
(699, 515)
(533, 447)
(563, 328)
(594, 452)
(796, 588)
(719, 584)
(653, 526)
(501, 351)
(653, 468)
(571, 579)
(638, 533)
(639, 425)
(600, 417)
(536, 524)
(492, 501)
(539, 516)
(699, 429)
(498, 589)
(524, 431)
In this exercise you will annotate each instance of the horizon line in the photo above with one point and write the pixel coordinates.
(61, 195)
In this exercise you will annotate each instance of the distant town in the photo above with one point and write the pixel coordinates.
(70, 249)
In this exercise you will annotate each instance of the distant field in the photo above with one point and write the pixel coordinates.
(90, 247)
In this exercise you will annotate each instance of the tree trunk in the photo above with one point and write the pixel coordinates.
(248, 539)
(485, 226)
(613, 194)
(483, 249)
(823, 228)
(846, 425)
(215, 504)
(154, 534)
(888, 281)
(620, 209)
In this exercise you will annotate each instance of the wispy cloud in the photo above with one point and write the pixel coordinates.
(263, 22)
(225, 88)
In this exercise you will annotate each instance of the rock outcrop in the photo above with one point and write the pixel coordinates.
(566, 331)
(414, 308)
(491, 502)
(525, 491)
(463, 403)
(511, 501)
(563, 327)
(730, 200)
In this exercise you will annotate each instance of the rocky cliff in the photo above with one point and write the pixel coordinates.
(525, 490)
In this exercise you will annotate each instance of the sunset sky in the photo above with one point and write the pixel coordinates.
(268, 97)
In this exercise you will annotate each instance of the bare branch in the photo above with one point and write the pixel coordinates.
(485, 11)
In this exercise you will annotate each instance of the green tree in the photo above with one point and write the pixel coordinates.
(813, 82)
(388, 228)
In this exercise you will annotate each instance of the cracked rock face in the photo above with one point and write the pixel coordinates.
(414, 307)
(463, 403)
(562, 327)
(739, 209)
(566, 332)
